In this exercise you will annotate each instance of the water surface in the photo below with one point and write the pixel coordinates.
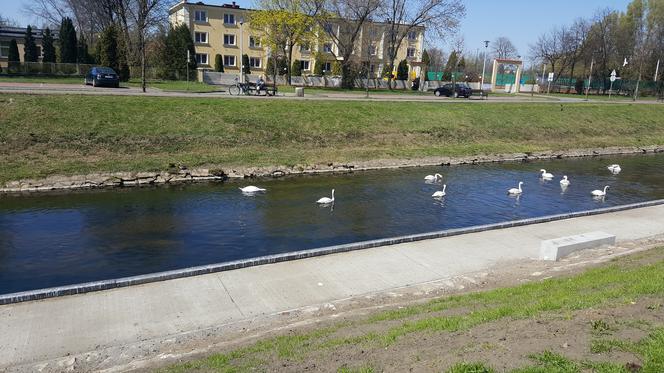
(66, 238)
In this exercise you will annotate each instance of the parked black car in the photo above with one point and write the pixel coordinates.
(102, 76)
(460, 90)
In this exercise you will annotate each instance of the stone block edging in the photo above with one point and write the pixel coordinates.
(38, 294)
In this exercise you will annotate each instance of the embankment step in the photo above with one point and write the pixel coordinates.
(559, 247)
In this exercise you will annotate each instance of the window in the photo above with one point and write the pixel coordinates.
(328, 28)
(201, 37)
(372, 69)
(254, 42)
(410, 52)
(304, 65)
(412, 35)
(200, 16)
(372, 50)
(229, 60)
(327, 67)
(305, 47)
(255, 62)
(202, 58)
(4, 49)
(229, 39)
(327, 47)
(229, 19)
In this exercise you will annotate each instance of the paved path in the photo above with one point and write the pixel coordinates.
(38, 331)
(49, 88)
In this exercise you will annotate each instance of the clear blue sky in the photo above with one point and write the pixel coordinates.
(519, 20)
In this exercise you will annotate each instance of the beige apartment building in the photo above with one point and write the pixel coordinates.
(225, 30)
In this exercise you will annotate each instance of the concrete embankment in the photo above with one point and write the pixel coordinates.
(133, 323)
(183, 174)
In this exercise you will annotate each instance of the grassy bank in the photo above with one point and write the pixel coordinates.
(43, 135)
(609, 317)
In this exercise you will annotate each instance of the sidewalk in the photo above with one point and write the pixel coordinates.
(36, 332)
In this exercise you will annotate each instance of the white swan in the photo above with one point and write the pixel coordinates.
(326, 200)
(599, 193)
(614, 168)
(440, 193)
(545, 175)
(516, 190)
(564, 181)
(251, 189)
(432, 178)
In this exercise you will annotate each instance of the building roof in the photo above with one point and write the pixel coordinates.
(7, 32)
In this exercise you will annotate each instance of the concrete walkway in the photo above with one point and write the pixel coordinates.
(34, 332)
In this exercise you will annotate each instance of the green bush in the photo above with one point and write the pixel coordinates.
(218, 64)
(402, 70)
(296, 68)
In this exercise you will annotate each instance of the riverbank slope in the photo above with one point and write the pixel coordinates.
(46, 135)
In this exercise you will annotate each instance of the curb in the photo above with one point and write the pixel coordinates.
(87, 287)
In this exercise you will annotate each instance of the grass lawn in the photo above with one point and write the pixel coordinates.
(42, 135)
(627, 291)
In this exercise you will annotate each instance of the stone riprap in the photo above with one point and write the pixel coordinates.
(182, 174)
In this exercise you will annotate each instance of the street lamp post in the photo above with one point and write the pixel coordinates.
(241, 53)
(590, 77)
(486, 46)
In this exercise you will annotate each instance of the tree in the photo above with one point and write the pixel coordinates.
(342, 22)
(218, 63)
(503, 48)
(336, 68)
(67, 41)
(107, 48)
(82, 54)
(144, 15)
(283, 24)
(403, 17)
(13, 59)
(318, 67)
(47, 46)
(29, 46)
(296, 68)
(173, 55)
(402, 70)
(246, 69)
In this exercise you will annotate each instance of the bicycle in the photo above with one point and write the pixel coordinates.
(237, 88)
(249, 89)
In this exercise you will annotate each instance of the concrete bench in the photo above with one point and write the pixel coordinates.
(559, 247)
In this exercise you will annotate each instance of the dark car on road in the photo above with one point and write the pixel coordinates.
(454, 90)
(102, 76)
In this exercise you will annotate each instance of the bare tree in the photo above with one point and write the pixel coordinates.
(90, 16)
(144, 15)
(401, 17)
(503, 48)
(342, 22)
